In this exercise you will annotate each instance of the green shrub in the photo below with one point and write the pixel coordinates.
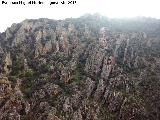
(17, 66)
(77, 76)
(29, 73)
(13, 79)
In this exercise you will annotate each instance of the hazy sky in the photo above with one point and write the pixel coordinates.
(110, 8)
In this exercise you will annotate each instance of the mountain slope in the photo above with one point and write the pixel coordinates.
(89, 68)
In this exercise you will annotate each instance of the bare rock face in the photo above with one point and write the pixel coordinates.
(39, 46)
(1, 50)
(96, 54)
(8, 63)
(12, 102)
(67, 107)
(100, 90)
(26, 68)
(48, 90)
(44, 42)
(94, 61)
(116, 99)
(47, 47)
(52, 90)
(103, 37)
(77, 115)
(53, 117)
(135, 112)
(107, 68)
(89, 86)
(65, 75)
(9, 34)
(5, 87)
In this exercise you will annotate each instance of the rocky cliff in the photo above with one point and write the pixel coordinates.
(89, 68)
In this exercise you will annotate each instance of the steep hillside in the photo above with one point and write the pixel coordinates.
(88, 68)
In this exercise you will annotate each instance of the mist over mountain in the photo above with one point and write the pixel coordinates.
(87, 68)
